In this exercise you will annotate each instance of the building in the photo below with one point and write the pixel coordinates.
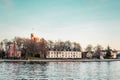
(35, 39)
(64, 54)
(118, 54)
(87, 54)
(102, 54)
(13, 52)
(114, 54)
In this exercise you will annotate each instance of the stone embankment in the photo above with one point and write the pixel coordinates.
(62, 60)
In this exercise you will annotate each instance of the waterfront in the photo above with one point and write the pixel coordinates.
(58, 60)
(60, 71)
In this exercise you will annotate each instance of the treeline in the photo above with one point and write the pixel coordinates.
(28, 47)
(31, 48)
(40, 49)
(98, 51)
(64, 46)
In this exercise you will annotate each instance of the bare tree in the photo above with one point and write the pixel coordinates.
(89, 48)
(1, 45)
(78, 47)
(42, 48)
(62, 44)
(50, 44)
(29, 47)
(98, 50)
(5, 41)
(67, 45)
(19, 41)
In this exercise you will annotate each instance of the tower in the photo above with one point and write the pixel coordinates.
(32, 36)
(35, 39)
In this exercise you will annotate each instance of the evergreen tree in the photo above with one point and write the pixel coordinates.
(108, 52)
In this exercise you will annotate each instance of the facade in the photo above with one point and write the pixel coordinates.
(114, 55)
(118, 56)
(87, 55)
(102, 54)
(13, 52)
(64, 54)
(35, 39)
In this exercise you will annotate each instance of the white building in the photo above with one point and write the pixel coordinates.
(64, 54)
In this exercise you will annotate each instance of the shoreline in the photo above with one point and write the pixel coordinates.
(60, 60)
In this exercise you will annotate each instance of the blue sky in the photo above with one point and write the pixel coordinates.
(84, 21)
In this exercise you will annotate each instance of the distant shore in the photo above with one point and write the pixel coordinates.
(61, 60)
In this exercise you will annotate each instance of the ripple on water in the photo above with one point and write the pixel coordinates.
(60, 71)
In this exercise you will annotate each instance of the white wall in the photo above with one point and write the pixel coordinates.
(64, 54)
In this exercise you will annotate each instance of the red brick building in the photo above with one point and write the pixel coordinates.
(13, 51)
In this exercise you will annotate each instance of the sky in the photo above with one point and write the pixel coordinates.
(83, 21)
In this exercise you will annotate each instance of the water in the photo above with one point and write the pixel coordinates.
(60, 71)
